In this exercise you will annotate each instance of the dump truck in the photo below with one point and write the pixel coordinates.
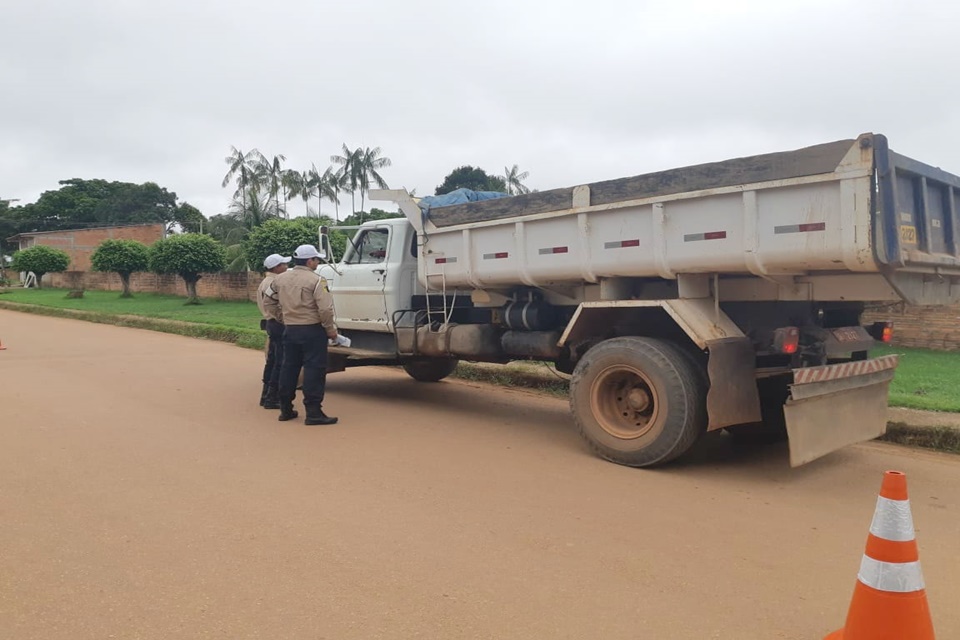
(726, 295)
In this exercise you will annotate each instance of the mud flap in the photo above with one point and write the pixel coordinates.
(830, 408)
(733, 397)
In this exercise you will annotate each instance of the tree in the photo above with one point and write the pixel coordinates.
(514, 178)
(474, 178)
(301, 184)
(283, 236)
(373, 214)
(91, 203)
(371, 161)
(188, 217)
(273, 172)
(246, 168)
(350, 171)
(41, 260)
(189, 256)
(122, 257)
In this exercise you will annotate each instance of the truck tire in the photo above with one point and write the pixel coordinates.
(429, 369)
(638, 401)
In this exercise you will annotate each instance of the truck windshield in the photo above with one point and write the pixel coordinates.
(371, 247)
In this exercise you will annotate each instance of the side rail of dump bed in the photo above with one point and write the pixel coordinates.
(917, 226)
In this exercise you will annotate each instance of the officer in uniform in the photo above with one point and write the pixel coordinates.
(272, 323)
(307, 309)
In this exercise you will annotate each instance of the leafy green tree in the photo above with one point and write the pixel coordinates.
(283, 236)
(122, 257)
(188, 255)
(89, 203)
(374, 214)
(189, 218)
(468, 177)
(41, 260)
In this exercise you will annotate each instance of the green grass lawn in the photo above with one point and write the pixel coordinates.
(925, 379)
(243, 315)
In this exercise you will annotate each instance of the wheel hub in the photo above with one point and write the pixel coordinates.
(624, 402)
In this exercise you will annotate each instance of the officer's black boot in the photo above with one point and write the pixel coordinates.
(315, 415)
(287, 412)
(263, 394)
(272, 399)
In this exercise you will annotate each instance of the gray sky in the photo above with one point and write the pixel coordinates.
(573, 92)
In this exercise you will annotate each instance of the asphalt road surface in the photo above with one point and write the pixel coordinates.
(145, 495)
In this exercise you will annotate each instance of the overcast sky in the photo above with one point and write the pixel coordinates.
(572, 92)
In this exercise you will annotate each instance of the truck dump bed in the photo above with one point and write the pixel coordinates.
(850, 206)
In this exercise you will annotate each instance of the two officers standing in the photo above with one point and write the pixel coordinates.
(300, 302)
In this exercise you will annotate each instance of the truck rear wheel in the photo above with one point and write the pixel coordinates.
(429, 369)
(638, 401)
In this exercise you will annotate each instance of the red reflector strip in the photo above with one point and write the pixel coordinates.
(445, 260)
(621, 244)
(801, 228)
(550, 250)
(713, 235)
(496, 256)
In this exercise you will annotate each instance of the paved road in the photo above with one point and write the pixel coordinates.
(144, 494)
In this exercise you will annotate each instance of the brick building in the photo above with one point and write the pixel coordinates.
(81, 243)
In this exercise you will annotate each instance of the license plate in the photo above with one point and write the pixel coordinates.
(847, 334)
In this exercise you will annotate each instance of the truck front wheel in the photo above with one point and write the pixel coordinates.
(429, 369)
(638, 401)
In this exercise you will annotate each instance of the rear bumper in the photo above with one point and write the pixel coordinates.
(837, 405)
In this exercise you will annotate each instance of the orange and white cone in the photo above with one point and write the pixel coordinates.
(890, 599)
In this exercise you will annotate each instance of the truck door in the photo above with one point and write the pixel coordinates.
(360, 290)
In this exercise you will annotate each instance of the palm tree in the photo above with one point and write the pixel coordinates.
(350, 168)
(371, 160)
(513, 178)
(325, 185)
(300, 184)
(253, 209)
(243, 166)
(272, 171)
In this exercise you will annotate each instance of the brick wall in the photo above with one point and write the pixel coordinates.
(924, 327)
(220, 286)
(81, 243)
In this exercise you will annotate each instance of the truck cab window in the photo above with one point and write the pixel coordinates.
(370, 247)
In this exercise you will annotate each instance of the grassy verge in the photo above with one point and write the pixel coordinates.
(233, 322)
(938, 438)
(242, 315)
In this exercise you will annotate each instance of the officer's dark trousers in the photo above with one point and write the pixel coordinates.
(304, 346)
(271, 370)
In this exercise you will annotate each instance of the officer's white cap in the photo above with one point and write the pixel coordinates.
(305, 251)
(275, 259)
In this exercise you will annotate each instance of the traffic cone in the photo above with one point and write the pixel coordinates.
(889, 600)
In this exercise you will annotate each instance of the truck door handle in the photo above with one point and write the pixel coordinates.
(380, 271)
